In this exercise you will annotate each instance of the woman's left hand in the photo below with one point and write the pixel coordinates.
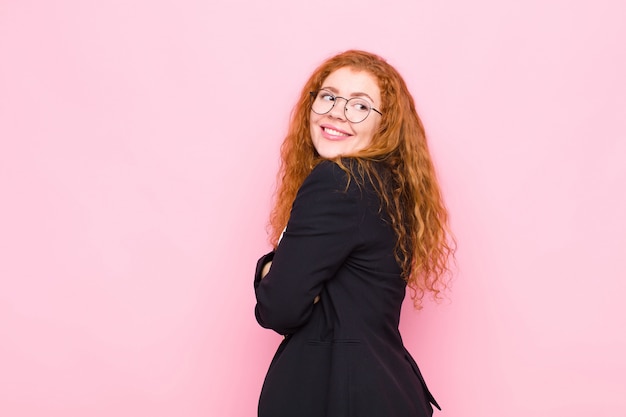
(266, 269)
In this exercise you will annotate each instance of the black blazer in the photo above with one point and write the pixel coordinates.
(343, 356)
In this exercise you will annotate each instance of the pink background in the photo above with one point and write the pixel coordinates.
(139, 143)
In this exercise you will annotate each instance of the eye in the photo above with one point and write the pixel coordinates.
(325, 96)
(359, 105)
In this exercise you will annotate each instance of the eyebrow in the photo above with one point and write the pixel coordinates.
(357, 94)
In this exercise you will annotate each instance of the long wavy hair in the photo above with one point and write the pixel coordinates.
(408, 187)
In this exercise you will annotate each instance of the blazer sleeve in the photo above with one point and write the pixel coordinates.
(320, 234)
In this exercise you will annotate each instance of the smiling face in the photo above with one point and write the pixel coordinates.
(332, 134)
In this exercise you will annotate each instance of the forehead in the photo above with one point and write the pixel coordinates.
(347, 81)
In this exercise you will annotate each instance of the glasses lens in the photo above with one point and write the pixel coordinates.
(357, 109)
(323, 102)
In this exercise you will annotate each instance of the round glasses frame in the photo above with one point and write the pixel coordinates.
(314, 95)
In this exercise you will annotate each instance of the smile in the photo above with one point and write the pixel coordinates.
(331, 133)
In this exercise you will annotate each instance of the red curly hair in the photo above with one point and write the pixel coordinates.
(409, 190)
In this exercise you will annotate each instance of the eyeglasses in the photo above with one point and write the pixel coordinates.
(356, 110)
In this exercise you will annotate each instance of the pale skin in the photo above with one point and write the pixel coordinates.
(266, 269)
(331, 133)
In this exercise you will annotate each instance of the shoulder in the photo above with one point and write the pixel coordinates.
(327, 182)
(325, 201)
(350, 178)
(329, 173)
(349, 173)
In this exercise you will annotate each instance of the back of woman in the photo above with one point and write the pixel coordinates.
(335, 282)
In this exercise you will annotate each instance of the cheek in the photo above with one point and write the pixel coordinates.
(370, 130)
(313, 118)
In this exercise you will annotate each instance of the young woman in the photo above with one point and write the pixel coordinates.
(363, 217)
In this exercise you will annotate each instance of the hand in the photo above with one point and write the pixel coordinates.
(266, 269)
(316, 299)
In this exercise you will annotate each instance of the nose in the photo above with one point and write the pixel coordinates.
(339, 109)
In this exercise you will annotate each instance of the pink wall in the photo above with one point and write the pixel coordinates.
(139, 141)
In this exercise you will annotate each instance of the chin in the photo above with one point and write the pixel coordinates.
(330, 150)
(329, 154)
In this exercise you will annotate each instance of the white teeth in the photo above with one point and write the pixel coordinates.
(334, 132)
